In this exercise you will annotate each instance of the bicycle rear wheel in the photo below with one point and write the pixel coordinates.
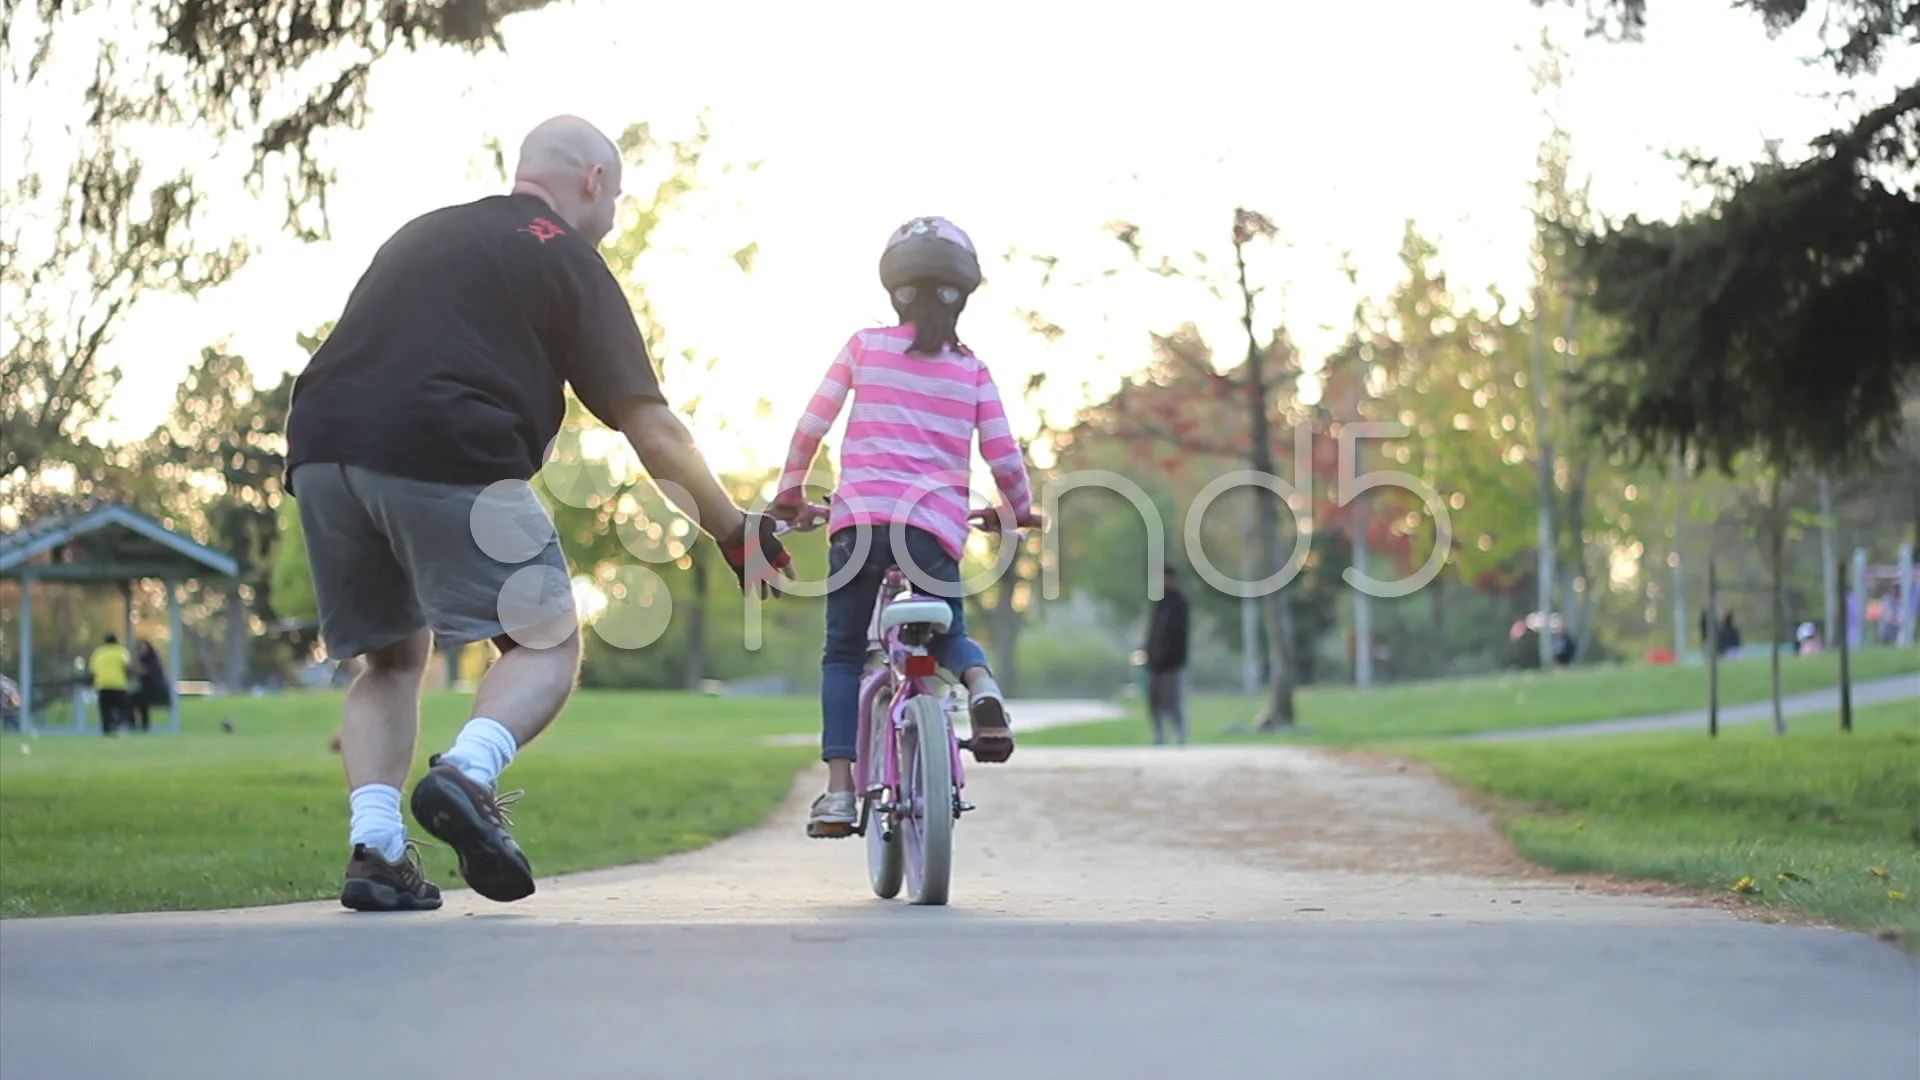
(926, 820)
(886, 859)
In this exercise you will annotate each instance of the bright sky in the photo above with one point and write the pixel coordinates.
(1032, 125)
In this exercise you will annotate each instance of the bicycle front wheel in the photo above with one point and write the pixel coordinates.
(926, 800)
(885, 854)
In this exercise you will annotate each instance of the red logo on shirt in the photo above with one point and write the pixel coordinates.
(544, 230)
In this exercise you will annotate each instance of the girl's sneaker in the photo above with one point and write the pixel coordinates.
(833, 816)
(992, 739)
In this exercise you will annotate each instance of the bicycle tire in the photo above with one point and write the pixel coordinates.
(886, 854)
(926, 771)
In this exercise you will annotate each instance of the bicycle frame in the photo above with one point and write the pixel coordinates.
(893, 676)
(906, 672)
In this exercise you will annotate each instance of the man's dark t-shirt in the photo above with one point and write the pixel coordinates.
(449, 361)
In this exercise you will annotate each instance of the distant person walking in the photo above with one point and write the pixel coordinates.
(111, 666)
(1564, 646)
(152, 689)
(1167, 662)
(1806, 639)
(1729, 636)
(10, 718)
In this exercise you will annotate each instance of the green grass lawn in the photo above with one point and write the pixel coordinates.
(1402, 711)
(208, 819)
(1819, 821)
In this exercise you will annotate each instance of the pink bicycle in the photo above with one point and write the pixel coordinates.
(908, 773)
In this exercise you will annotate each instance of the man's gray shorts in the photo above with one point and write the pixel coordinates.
(392, 555)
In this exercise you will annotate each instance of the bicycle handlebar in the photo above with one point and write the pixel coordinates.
(814, 517)
(985, 521)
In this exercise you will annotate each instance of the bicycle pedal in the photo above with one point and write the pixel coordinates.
(997, 749)
(828, 831)
(965, 806)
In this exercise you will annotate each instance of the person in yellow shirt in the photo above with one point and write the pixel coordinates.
(112, 665)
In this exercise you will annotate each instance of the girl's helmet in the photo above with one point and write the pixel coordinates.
(931, 251)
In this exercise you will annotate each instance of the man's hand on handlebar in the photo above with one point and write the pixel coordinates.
(761, 532)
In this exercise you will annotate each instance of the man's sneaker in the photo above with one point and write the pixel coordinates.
(834, 815)
(374, 884)
(473, 821)
(992, 739)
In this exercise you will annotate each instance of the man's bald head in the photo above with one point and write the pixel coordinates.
(576, 169)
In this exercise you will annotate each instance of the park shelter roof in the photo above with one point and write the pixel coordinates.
(107, 541)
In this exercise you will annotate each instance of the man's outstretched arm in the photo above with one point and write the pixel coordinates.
(666, 449)
(667, 452)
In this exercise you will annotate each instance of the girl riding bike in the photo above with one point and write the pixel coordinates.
(920, 397)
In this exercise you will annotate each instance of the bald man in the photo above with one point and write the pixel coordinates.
(412, 434)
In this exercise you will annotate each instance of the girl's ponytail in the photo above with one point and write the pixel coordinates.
(935, 319)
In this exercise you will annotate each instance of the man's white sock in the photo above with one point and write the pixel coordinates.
(483, 751)
(377, 822)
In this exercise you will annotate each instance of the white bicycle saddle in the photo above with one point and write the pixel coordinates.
(934, 612)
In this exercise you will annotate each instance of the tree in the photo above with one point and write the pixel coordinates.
(291, 577)
(1780, 321)
(220, 456)
(1103, 549)
(1191, 422)
(677, 172)
(212, 469)
(1780, 324)
(1564, 459)
(1454, 377)
(1004, 609)
(1261, 381)
(1170, 429)
(92, 225)
(1232, 416)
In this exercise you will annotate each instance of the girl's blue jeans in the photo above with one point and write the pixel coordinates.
(850, 610)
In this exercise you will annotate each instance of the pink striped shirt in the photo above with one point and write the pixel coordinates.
(909, 441)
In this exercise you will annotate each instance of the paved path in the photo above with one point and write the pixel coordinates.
(1871, 692)
(1128, 912)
